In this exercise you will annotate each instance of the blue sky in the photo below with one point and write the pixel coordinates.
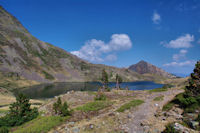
(165, 33)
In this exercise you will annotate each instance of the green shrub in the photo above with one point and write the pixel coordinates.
(4, 130)
(168, 106)
(61, 109)
(100, 96)
(94, 106)
(191, 109)
(186, 102)
(169, 129)
(129, 105)
(108, 89)
(65, 110)
(19, 113)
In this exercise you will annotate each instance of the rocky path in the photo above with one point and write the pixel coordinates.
(140, 119)
(144, 114)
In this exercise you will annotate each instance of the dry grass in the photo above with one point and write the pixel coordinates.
(6, 100)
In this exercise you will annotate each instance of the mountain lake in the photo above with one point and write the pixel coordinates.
(50, 90)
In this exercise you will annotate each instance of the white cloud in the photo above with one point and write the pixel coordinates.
(183, 51)
(93, 50)
(180, 64)
(180, 55)
(180, 42)
(111, 57)
(156, 18)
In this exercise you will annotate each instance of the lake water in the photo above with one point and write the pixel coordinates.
(50, 90)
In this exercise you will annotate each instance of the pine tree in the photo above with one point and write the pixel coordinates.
(57, 106)
(20, 112)
(193, 89)
(118, 81)
(65, 110)
(21, 106)
(104, 79)
(61, 109)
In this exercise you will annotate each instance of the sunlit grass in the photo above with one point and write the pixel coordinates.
(159, 98)
(94, 106)
(168, 106)
(158, 90)
(129, 105)
(41, 124)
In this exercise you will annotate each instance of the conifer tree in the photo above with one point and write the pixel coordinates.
(104, 79)
(193, 89)
(19, 113)
(61, 109)
(118, 81)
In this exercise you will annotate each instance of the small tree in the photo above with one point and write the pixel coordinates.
(104, 79)
(57, 106)
(118, 81)
(100, 96)
(193, 89)
(20, 112)
(65, 110)
(61, 109)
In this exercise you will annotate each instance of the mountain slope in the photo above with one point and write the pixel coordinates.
(143, 67)
(26, 57)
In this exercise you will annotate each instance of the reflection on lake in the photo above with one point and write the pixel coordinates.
(50, 90)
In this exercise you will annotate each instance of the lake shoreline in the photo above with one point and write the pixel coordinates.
(51, 90)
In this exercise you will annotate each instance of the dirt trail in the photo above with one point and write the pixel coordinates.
(145, 112)
(140, 119)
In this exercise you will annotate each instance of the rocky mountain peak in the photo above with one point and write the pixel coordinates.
(143, 67)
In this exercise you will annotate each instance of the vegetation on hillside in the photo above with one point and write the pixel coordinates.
(193, 89)
(189, 101)
(41, 124)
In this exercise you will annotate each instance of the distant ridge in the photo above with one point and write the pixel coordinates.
(144, 67)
